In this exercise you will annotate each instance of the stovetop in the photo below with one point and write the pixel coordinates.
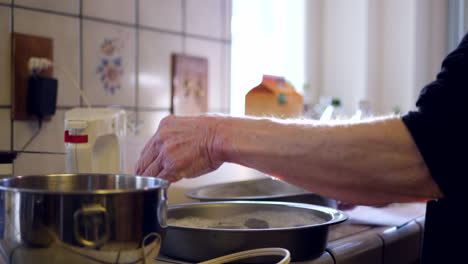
(326, 258)
(361, 244)
(336, 232)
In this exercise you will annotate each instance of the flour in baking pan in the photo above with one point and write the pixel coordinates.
(254, 220)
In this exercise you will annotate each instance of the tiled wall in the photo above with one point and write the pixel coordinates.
(138, 36)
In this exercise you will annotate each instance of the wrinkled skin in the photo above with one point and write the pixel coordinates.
(372, 162)
(180, 148)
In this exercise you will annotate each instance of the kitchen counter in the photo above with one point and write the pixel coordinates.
(360, 244)
(347, 244)
(363, 244)
(350, 243)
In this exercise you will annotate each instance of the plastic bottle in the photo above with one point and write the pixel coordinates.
(333, 110)
(363, 111)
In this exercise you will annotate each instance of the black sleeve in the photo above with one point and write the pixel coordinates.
(439, 126)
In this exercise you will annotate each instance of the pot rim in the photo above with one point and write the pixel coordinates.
(159, 184)
(337, 216)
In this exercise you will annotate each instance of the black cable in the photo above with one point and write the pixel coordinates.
(12, 253)
(39, 119)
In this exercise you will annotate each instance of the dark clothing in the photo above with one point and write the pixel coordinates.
(439, 129)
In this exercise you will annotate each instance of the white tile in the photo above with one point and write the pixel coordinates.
(155, 68)
(226, 76)
(38, 163)
(149, 122)
(109, 63)
(219, 111)
(5, 126)
(117, 10)
(205, 18)
(49, 139)
(162, 14)
(5, 49)
(67, 6)
(227, 17)
(132, 147)
(213, 52)
(64, 32)
(131, 116)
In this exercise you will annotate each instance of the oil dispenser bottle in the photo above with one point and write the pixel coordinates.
(333, 111)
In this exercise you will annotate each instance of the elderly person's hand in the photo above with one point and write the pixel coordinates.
(182, 147)
(373, 162)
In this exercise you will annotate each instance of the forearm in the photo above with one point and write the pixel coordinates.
(365, 163)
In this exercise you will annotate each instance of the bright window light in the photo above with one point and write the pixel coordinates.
(267, 38)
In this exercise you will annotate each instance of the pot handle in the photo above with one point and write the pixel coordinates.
(91, 212)
(253, 253)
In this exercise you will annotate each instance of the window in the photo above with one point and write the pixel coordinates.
(267, 38)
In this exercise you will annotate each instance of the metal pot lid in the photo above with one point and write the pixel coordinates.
(259, 189)
(87, 183)
(216, 210)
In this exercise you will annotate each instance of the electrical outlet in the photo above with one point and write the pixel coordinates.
(25, 47)
(189, 85)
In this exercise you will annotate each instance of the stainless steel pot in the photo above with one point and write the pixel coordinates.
(195, 244)
(259, 190)
(81, 218)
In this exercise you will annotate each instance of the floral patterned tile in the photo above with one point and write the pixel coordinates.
(109, 64)
(162, 14)
(116, 10)
(5, 49)
(67, 6)
(5, 126)
(217, 77)
(64, 31)
(155, 68)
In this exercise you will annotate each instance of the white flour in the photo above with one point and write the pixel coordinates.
(273, 220)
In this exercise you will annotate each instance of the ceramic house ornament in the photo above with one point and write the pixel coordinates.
(189, 84)
(274, 97)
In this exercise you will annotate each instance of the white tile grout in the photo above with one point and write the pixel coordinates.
(54, 12)
(135, 25)
(137, 58)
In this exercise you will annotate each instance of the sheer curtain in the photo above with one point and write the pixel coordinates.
(378, 50)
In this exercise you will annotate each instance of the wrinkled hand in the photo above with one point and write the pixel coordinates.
(182, 147)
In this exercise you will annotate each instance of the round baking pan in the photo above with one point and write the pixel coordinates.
(196, 244)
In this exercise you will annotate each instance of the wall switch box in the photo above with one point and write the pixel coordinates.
(23, 48)
(42, 96)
